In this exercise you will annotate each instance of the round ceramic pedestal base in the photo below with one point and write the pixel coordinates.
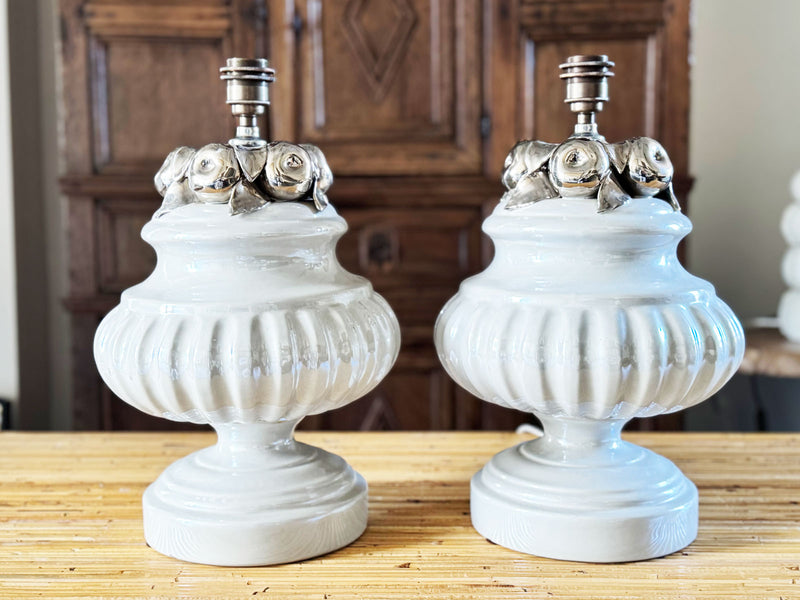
(255, 498)
(584, 497)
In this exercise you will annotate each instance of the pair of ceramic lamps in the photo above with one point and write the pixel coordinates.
(584, 318)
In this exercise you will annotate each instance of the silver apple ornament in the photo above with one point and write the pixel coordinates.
(646, 168)
(214, 173)
(523, 175)
(578, 166)
(289, 171)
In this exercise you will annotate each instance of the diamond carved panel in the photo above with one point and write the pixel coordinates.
(379, 32)
(384, 87)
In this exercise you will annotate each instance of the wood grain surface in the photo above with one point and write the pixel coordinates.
(71, 524)
(769, 353)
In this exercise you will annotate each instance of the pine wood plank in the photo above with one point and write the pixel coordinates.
(71, 524)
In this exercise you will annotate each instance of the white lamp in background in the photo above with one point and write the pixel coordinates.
(248, 323)
(789, 306)
(586, 318)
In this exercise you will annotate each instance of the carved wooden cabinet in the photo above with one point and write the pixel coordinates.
(414, 102)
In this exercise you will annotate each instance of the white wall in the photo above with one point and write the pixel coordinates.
(9, 382)
(744, 145)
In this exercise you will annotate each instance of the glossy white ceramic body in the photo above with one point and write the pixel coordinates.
(249, 323)
(587, 320)
(789, 306)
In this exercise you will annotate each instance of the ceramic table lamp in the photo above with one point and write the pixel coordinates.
(586, 319)
(248, 323)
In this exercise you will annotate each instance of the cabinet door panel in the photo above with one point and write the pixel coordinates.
(648, 41)
(124, 258)
(153, 75)
(632, 108)
(382, 86)
(140, 74)
(415, 259)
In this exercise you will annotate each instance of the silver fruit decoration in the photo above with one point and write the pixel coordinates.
(323, 176)
(247, 173)
(288, 172)
(646, 167)
(524, 175)
(171, 181)
(213, 173)
(577, 167)
(585, 165)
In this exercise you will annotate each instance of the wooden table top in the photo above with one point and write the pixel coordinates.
(71, 524)
(767, 352)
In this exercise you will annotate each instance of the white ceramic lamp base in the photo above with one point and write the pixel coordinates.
(581, 493)
(257, 497)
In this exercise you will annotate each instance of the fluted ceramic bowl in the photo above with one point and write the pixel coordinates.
(587, 319)
(249, 323)
(246, 319)
(589, 315)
